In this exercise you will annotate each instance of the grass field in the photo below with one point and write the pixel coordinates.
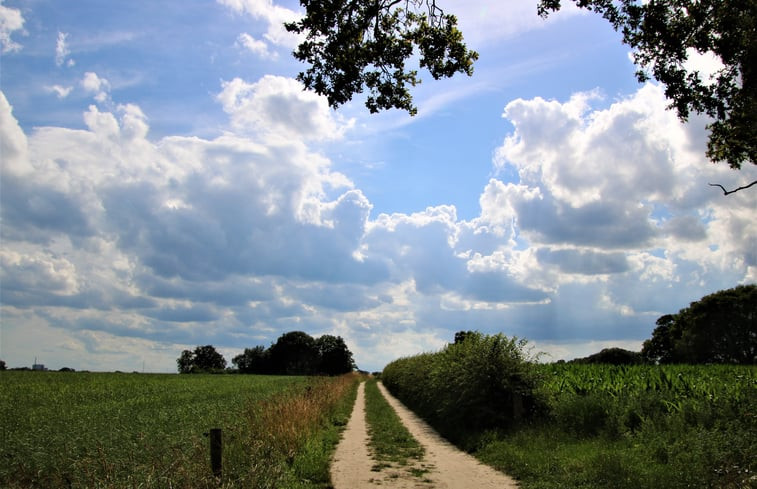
(142, 430)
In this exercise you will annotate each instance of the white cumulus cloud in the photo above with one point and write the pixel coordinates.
(59, 90)
(274, 15)
(256, 46)
(11, 21)
(96, 85)
(280, 106)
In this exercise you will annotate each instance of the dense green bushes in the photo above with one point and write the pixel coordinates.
(482, 382)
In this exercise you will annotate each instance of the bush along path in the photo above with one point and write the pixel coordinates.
(441, 465)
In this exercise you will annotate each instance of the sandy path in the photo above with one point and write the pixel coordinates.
(448, 467)
(351, 467)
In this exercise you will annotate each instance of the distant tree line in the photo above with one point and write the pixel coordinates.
(294, 353)
(613, 356)
(718, 328)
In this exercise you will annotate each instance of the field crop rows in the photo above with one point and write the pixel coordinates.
(672, 426)
(137, 430)
(711, 382)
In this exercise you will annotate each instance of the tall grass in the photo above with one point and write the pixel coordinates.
(134, 430)
(293, 433)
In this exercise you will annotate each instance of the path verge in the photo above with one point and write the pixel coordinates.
(452, 468)
(443, 465)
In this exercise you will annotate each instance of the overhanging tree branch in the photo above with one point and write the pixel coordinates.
(727, 192)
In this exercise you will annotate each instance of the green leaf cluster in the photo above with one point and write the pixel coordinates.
(352, 45)
(203, 359)
(662, 34)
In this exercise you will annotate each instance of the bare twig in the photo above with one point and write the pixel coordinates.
(726, 192)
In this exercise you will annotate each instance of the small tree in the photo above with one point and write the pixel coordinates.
(2, 365)
(253, 361)
(294, 353)
(203, 359)
(335, 357)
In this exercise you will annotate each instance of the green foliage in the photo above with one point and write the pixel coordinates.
(676, 426)
(297, 353)
(598, 425)
(204, 359)
(294, 353)
(390, 441)
(252, 360)
(352, 45)
(718, 328)
(613, 356)
(483, 382)
(335, 357)
(662, 32)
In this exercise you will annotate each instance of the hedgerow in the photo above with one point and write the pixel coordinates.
(483, 382)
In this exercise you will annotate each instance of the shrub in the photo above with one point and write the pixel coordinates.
(483, 382)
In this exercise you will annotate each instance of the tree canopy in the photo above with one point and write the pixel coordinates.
(297, 353)
(353, 45)
(252, 360)
(718, 328)
(335, 357)
(612, 356)
(202, 359)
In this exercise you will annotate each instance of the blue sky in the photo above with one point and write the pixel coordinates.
(167, 183)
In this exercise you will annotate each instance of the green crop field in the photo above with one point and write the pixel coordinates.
(650, 426)
(585, 426)
(130, 430)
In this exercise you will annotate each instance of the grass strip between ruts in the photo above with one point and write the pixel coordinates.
(391, 442)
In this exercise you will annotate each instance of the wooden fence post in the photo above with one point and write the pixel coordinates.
(216, 452)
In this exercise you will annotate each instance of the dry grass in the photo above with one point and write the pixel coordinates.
(279, 427)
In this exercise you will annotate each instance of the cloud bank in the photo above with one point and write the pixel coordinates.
(131, 248)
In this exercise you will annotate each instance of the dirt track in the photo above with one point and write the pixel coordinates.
(445, 466)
